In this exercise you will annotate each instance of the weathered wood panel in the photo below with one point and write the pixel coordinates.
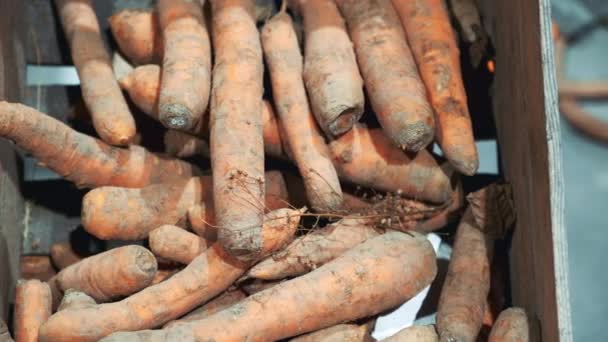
(527, 120)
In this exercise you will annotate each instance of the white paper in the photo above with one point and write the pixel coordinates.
(404, 316)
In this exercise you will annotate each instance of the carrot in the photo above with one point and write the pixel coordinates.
(415, 333)
(314, 249)
(111, 116)
(32, 309)
(84, 160)
(397, 264)
(130, 214)
(184, 145)
(114, 273)
(394, 87)
(511, 326)
(186, 76)
(366, 157)
(217, 304)
(331, 74)
(465, 291)
(237, 147)
(309, 150)
(205, 277)
(433, 43)
(340, 332)
(5, 335)
(36, 267)
(63, 255)
(176, 244)
(164, 274)
(143, 86)
(258, 286)
(137, 34)
(73, 299)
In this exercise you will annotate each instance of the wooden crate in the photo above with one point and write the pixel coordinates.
(525, 110)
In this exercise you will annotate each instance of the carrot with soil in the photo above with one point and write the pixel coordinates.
(415, 333)
(109, 111)
(366, 157)
(111, 274)
(392, 81)
(236, 141)
(84, 160)
(176, 244)
(464, 294)
(186, 73)
(74, 299)
(63, 255)
(397, 264)
(143, 86)
(433, 43)
(137, 34)
(32, 308)
(36, 267)
(130, 214)
(205, 277)
(218, 304)
(340, 332)
(331, 74)
(308, 147)
(510, 326)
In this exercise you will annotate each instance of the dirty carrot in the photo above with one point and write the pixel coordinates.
(434, 46)
(176, 244)
(366, 157)
(393, 84)
(415, 333)
(511, 326)
(314, 249)
(117, 272)
(399, 266)
(258, 286)
(143, 86)
(186, 73)
(36, 267)
(331, 74)
(310, 152)
(84, 160)
(464, 294)
(184, 145)
(74, 299)
(340, 332)
(111, 116)
(236, 141)
(63, 255)
(205, 277)
(164, 274)
(32, 309)
(137, 34)
(130, 214)
(217, 304)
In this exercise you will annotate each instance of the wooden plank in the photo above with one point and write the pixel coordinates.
(12, 71)
(527, 120)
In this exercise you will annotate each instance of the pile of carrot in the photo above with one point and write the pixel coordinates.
(296, 184)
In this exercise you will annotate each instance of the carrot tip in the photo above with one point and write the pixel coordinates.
(176, 116)
(345, 121)
(416, 136)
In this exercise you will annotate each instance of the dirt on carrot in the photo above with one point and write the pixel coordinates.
(415, 333)
(111, 116)
(217, 304)
(176, 244)
(74, 299)
(340, 332)
(510, 326)
(137, 34)
(63, 255)
(32, 309)
(435, 49)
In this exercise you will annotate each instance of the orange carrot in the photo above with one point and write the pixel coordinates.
(314, 249)
(366, 157)
(303, 136)
(32, 309)
(164, 274)
(237, 147)
(130, 214)
(465, 291)
(73, 299)
(205, 277)
(415, 333)
(331, 74)
(218, 304)
(511, 326)
(137, 34)
(391, 78)
(109, 111)
(433, 43)
(63, 255)
(176, 244)
(397, 264)
(84, 160)
(36, 267)
(258, 286)
(184, 145)
(340, 332)
(143, 86)
(186, 77)
(114, 273)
